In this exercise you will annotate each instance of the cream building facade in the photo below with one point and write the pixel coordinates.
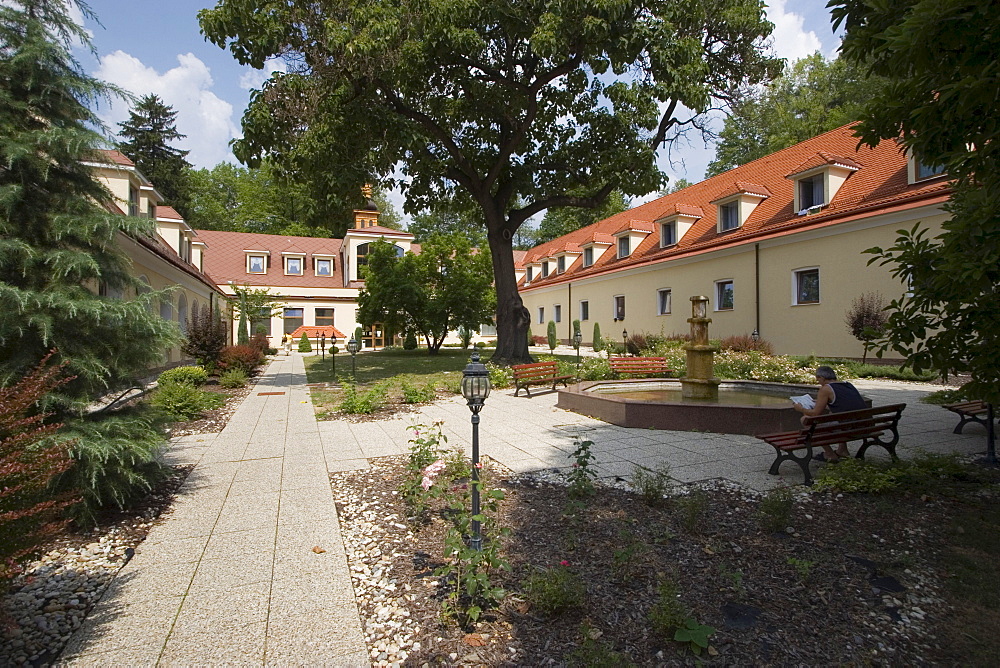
(777, 245)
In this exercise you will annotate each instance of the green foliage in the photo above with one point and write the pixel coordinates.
(32, 454)
(694, 635)
(942, 397)
(576, 330)
(563, 220)
(550, 335)
(184, 402)
(595, 368)
(410, 342)
(304, 345)
(592, 653)
(652, 485)
(580, 477)
(413, 394)
(812, 96)
(246, 358)
(758, 366)
(803, 567)
(866, 319)
(195, 376)
(939, 102)
(426, 447)
(145, 138)
(669, 613)
(501, 377)
(233, 378)
(242, 333)
(117, 459)
(598, 341)
(358, 334)
(856, 475)
(206, 335)
(555, 590)
(691, 508)
(465, 336)
(362, 403)
(447, 286)
(615, 81)
(59, 240)
(448, 218)
(775, 509)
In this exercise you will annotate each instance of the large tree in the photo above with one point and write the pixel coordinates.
(522, 105)
(565, 219)
(812, 96)
(942, 62)
(145, 138)
(446, 287)
(64, 282)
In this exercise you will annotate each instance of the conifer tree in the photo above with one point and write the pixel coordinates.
(146, 134)
(64, 282)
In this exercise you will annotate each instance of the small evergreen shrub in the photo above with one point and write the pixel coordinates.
(184, 402)
(550, 335)
(465, 336)
(233, 378)
(304, 345)
(117, 459)
(195, 376)
(410, 342)
(531, 338)
(576, 330)
(744, 343)
(242, 331)
(598, 341)
(247, 358)
(555, 590)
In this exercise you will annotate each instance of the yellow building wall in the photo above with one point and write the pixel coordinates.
(793, 329)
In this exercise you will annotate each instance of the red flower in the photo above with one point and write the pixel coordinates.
(564, 563)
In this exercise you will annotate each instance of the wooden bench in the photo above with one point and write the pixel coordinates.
(872, 426)
(538, 373)
(970, 411)
(640, 366)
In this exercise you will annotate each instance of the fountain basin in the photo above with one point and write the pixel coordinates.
(744, 406)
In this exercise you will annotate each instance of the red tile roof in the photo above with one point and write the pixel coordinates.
(315, 332)
(635, 226)
(227, 260)
(743, 188)
(820, 159)
(168, 212)
(880, 184)
(679, 208)
(378, 229)
(118, 158)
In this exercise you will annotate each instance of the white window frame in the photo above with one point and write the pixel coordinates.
(614, 308)
(263, 262)
(588, 256)
(584, 310)
(327, 260)
(734, 205)
(718, 294)
(301, 270)
(672, 226)
(624, 242)
(659, 301)
(541, 315)
(816, 181)
(557, 312)
(796, 277)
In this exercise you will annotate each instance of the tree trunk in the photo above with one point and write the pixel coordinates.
(512, 317)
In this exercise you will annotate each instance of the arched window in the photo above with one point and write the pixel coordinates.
(166, 310)
(364, 249)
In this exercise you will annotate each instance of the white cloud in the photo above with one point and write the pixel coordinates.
(254, 79)
(790, 39)
(203, 116)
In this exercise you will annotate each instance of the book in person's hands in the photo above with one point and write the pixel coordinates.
(805, 401)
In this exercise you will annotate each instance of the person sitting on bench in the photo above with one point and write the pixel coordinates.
(838, 397)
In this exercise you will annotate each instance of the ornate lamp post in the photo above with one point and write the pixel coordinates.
(322, 346)
(333, 355)
(353, 347)
(755, 335)
(475, 389)
(624, 342)
(577, 342)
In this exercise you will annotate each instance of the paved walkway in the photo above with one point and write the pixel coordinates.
(231, 577)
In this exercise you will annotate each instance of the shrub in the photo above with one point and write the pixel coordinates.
(652, 485)
(260, 342)
(500, 376)
(576, 330)
(31, 455)
(668, 613)
(598, 341)
(233, 378)
(242, 332)
(743, 343)
(942, 397)
(195, 376)
(304, 345)
(247, 358)
(856, 475)
(358, 334)
(362, 403)
(866, 319)
(555, 590)
(410, 342)
(775, 509)
(757, 366)
(550, 335)
(635, 344)
(206, 335)
(117, 459)
(413, 394)
(539, 341)
(465, 336)
(595, 368)
(184, 402)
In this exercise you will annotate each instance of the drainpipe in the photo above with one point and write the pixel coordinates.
(756, 270)
(569, 309)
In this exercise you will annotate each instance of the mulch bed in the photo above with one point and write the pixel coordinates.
(866, 589)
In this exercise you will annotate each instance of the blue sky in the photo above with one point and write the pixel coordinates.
(156, 47)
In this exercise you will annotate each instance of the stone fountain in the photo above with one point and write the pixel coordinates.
(699, 384)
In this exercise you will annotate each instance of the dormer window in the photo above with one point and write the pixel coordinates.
(729, 216)
(560, 264)
(812, 192)
(545, 269)
(293, 266)
(527, 274)
(588, 256)
(668, 234)
(624, 246)
(924, 171)
(324, 267)
(256, 264)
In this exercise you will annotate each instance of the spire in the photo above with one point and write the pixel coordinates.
(368, 216)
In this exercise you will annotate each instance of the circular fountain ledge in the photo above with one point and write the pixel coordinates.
(744, 406)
